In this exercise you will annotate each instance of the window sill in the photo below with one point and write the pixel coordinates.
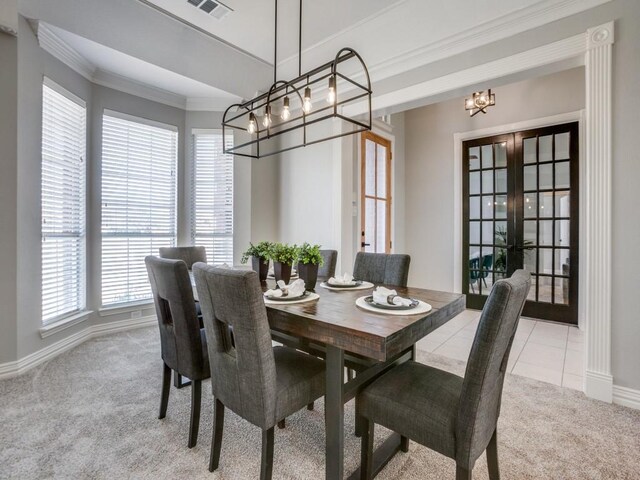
(64, 323)
(125, 308)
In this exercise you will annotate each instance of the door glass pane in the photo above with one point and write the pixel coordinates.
(501, 206)
(562, 261)
(474, 233)
(501, 180)
(561, 291)
(381, 173)
(500, 233)
(474, 183)
(474, 158)
(529, 232)
(562, 204)
(562, 233)
(532, 290)
(530, 155)
(546, 176)
(530, 205)
(381, 226)
(546, 204)
(487, 233)
(501, 154)
(562, 146)
(486, 267)
(370, 224)
(545, 260)
(544, 289)
(500, 261)
(546, 232)
(474, 207)
(487, 156)
(487, 206)
(544, 154)
(530, 178)
(562, 175)
(487, 181)
(529, 260)
(370, 168)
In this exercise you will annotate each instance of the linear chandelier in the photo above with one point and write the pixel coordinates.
(287, 117)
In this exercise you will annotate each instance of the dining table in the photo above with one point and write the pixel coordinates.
(333, 327)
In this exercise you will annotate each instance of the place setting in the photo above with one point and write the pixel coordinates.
(387, 301)
(345, 282)
(293, 293)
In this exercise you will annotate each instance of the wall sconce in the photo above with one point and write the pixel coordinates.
(479, 102)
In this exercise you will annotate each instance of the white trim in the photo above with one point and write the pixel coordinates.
(136, 119)
(59, 325)
(53, 44)
(11, 369)
(627, 397)
(63, 91)
(128, 307)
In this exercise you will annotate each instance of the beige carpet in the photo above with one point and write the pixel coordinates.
(92, 413)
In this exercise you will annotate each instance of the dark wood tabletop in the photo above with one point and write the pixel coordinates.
(334, 319)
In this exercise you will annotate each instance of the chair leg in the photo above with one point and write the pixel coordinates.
(492, 457)
(166, 387)
(473, 290)
(462, 473)
(484, 280)
(196, 397)
(360, 423)
(282, 424)
(266, 464)
(310, 406)
(216, 435)
(404, 444)
(350, 374)
(366, 450)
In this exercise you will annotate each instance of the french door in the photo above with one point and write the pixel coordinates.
(520, 210)
(375, 194)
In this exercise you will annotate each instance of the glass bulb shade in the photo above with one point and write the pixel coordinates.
(331, 95)
(252, 127)
(469, 103)
(306, 102)
(286, 113)
(266, 120)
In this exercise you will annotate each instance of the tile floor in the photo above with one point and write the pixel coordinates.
(541, 350)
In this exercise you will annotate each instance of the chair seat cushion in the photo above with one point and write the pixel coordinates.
(416, 401)
(300, 380)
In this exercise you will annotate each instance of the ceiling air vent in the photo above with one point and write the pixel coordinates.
(214, 8)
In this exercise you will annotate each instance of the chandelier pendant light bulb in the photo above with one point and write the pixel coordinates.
(286, 112)
(331, 95)
(306, 103)
(253, 125)
(266, 120)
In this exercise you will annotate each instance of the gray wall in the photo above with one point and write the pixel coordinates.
(8, 219)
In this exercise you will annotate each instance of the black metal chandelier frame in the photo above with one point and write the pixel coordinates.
(236, 115)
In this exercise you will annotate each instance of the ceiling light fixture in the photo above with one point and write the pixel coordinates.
(479, 102)
(299, 125)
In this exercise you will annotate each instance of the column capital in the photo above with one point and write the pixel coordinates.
(600, 35)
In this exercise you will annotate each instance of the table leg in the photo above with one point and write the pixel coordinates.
(334, 413)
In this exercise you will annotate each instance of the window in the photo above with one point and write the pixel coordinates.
(63, 187)
(139, 160)
(212, 195)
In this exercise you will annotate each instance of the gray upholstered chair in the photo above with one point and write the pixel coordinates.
(454, 416)
(382, 268)
(328, 268)
(182, 341)
(188, 255)
(261, 383)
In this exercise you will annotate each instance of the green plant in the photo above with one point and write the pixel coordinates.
(284, 253)
(261, 250)
(310, 254)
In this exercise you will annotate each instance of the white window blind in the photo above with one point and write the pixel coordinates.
(139, 161)
(212, 196)
(63, 187)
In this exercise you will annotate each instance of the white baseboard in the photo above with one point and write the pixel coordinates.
(11, 369)
(627, 397)
(599, 386)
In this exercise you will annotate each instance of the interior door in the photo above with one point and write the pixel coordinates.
(521, 211)
(375, 194)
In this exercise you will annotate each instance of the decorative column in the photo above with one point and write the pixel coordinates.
(597, 174)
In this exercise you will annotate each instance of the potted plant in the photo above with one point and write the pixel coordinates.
(283, 256)
(309, 259)
(260, 255)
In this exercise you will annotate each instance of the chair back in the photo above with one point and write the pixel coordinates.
(388, 269)
(328, 268)
(474, 269)
(243, 373)
(188, 255)
(481, 394)
(180, 336)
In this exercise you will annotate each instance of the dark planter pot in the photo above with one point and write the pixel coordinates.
(261, 267)
(282, 272)
(309, 273)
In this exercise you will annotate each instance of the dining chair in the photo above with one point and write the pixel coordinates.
(260, 383)
(328, 268)
(474, 272)
(454, 416)
(183, 343)
(382, 268)
(188, 255)
(487, 263)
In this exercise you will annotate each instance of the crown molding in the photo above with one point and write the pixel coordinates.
(53, 44)
(202, 104)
